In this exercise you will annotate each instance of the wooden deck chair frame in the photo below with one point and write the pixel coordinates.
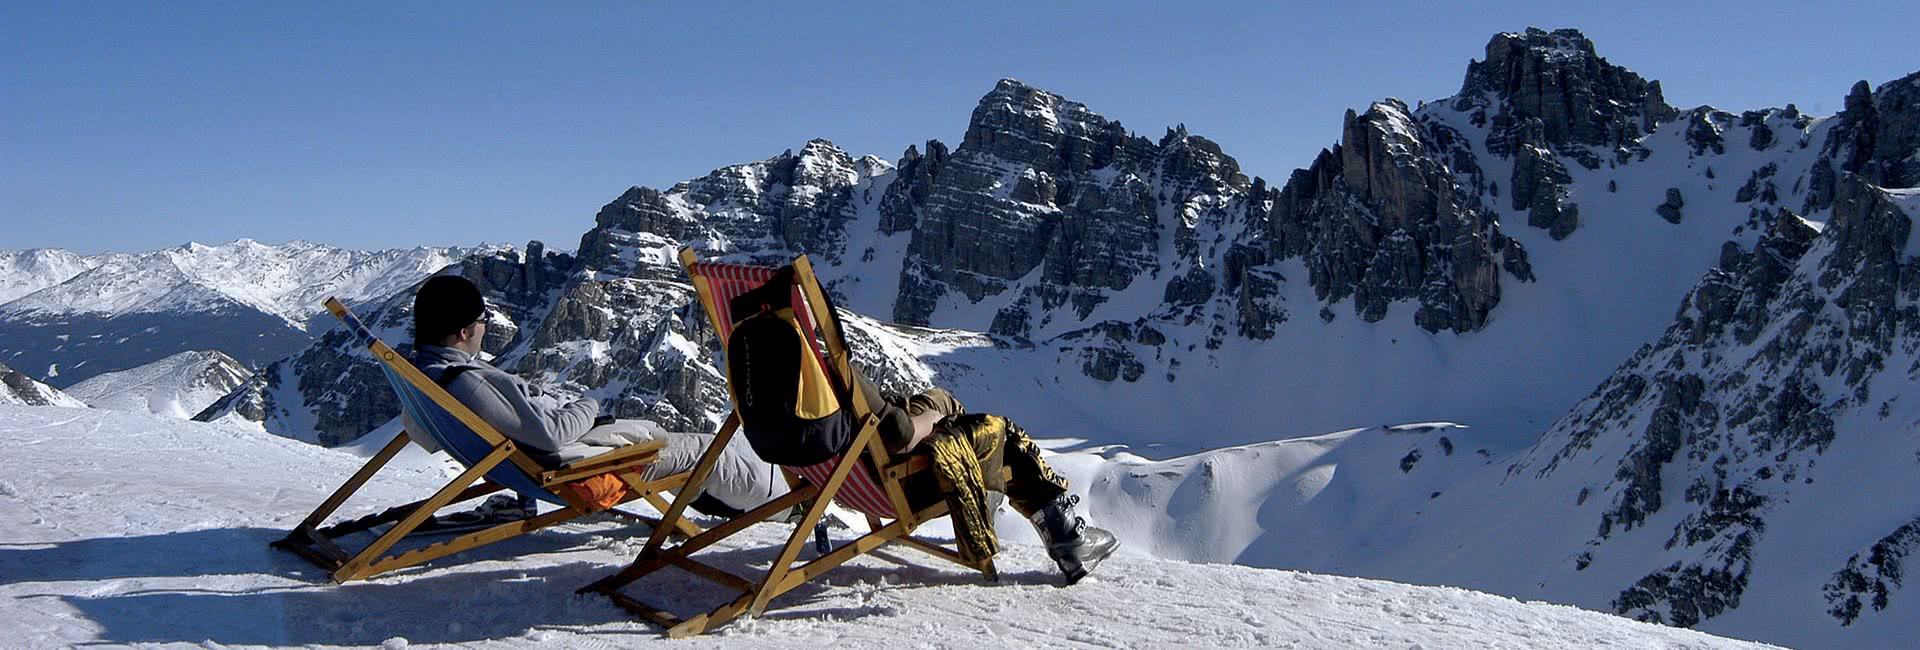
(826, 486)
(317, 543)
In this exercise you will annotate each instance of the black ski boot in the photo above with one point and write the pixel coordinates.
(1074, 545)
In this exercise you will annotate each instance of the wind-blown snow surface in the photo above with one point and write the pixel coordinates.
(160, 536)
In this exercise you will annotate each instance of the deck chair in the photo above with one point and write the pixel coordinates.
(865, 478)
(486, 453)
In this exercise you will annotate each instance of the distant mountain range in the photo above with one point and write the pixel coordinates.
(66, 317)
(1740, 287)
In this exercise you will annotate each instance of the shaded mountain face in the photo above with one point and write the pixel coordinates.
(69, 317)
(1732, 451)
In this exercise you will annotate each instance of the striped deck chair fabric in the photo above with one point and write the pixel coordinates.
(725, 281)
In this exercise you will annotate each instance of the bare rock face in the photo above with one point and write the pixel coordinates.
(1579, 98)
(1706, 130)
(1670, 208)
(1878, 137)
(17, 388)
(1020, 194)
(790, 202)
(1871, 576)
(900, 208)
(642, 345)
(1544, 95)
(1539, 183)
(1382, 218)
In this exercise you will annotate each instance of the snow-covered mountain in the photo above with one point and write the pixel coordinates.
(180, 557)
(68, 317)
(19, 389)
(284, 280)
(27, 271)
(177, 386)
(1484, 259)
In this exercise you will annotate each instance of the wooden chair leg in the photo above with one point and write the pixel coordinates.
(357, 567)
(682, 524)
(472, 540)
(671, 518)
(649, 561)
(800, 531)
(353, 484)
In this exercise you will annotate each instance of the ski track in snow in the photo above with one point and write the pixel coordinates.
(126, 529)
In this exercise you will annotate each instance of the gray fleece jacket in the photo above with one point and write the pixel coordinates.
(549, 428)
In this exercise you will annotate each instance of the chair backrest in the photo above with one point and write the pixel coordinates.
(428, 407)
(718, 283)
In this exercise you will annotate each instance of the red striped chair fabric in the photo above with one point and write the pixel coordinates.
(725, 281)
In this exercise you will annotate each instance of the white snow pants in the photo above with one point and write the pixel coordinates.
(739, 478)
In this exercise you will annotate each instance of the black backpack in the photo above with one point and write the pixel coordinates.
(790, 408)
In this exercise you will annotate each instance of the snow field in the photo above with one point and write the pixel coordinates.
(133, 529)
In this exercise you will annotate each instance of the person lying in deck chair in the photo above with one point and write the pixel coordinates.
(1030, 485)
(450, 319)
(776, 400)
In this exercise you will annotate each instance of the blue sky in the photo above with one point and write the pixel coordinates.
(131, 126)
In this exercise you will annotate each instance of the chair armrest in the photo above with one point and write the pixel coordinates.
(908, 467)
(639, 453)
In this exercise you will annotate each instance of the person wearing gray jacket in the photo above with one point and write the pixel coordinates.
(450, 320)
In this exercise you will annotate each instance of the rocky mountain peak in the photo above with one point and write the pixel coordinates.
(1877, 136)
(1188, 156)
(1556, 77)
(792, 201)
(1020, 123)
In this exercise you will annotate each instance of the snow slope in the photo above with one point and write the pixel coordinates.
(177, 386)
(110, 551)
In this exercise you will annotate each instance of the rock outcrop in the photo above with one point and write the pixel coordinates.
(17, 388)
(1878, 138)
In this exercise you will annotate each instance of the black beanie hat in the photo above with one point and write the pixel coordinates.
(443, 305)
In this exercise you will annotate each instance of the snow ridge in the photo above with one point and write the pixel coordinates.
(178, 386)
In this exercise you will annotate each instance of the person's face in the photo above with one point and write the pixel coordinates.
(471, 336)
